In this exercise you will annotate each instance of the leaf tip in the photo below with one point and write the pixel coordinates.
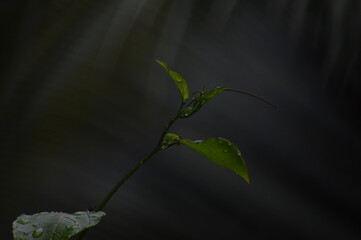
(246, 178)
(163, 64)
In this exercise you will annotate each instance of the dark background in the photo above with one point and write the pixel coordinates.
(82, 100)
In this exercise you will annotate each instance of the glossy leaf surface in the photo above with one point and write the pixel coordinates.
(200, 101)
(178, 80)
(53, 225)
(222, 152)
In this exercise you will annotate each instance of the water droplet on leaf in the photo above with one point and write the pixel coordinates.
(38, 232)
(22, 221)
(69, 228)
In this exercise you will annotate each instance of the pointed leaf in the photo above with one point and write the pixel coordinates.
(200, 101)
(178, 80)
(222, 152)
(212, 93)
(53, 225)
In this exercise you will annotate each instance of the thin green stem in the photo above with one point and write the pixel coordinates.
(170, 123)
(156, 149)
(124, 179)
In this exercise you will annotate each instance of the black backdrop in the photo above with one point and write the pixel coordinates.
(82, 100)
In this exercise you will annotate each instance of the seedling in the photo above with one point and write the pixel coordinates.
(62, 226)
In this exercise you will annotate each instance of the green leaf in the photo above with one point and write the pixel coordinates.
(178, 80)
(222, 152)
(53, 225)
(169, 139)
(200, 101)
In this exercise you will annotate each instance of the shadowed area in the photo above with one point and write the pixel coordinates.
(82, 100)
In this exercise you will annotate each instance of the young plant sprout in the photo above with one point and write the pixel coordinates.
(62, 226)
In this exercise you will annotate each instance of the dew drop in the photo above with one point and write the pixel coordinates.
(38, 232)
(22, 221)
(69, 228)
